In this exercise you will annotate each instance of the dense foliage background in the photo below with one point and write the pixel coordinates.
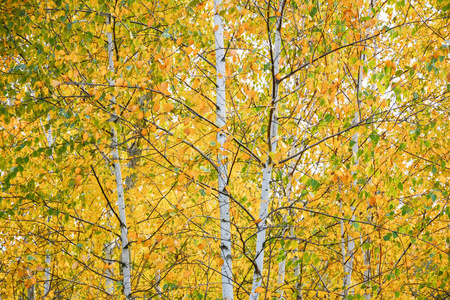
(218, 150)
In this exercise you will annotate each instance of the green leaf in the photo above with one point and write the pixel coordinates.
(313, 12)
(375, 138)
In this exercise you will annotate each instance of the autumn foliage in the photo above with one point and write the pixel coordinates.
(334, 147)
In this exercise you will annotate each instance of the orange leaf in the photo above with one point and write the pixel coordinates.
(259, 290)
(88, 109)
(168, 107)
(119, 81)
(144, 131)
(216, 28)
(278, 76)
(77, 170)
(85, 136)
(187, 274)
(141, 115)
(156, 107)
(39, 268)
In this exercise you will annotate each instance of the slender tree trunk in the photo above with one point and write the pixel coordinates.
(348, 261)
(282, 264)
(367, 255)
(268, 165)
(48, 258)
(31, 291)
(224, 201)
(126, 266)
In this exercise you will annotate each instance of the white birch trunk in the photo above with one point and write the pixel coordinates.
(224, 201)
(268, 166)
(48, 258)
(125, 260)
(109, 273)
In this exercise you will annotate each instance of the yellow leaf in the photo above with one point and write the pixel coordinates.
(85, 136)
(179, 41)
(259, 290)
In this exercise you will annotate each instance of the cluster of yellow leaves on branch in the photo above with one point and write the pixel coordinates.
(363, 148)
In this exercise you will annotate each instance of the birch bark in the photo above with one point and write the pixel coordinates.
(48, 258)
(224, 201)
(126, 267)
(268, 165)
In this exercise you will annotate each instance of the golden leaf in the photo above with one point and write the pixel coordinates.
(119, 81)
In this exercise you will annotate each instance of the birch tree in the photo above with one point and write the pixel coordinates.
(222, 172)
(272, 140)
(125, 246)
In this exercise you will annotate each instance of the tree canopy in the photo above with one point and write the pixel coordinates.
(224, 149)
